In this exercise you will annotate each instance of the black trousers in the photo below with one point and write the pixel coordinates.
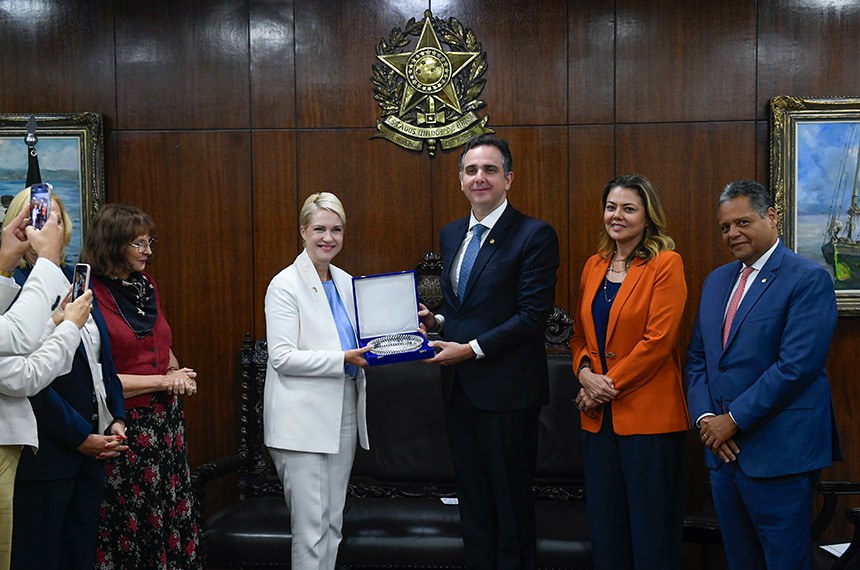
(494, 456)
(634, 490)
(56, 522)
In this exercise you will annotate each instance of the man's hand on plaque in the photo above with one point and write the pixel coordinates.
(427, 320)
(449, 353)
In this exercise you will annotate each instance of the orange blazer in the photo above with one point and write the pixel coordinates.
(641, 351)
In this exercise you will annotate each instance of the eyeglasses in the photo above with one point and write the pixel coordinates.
(143, 244)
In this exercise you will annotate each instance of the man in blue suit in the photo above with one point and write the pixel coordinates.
(498, 283)
(757, 386)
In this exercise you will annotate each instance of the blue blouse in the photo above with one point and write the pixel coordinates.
(344, 325)
(600, 313)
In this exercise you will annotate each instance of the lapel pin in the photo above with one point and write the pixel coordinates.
(314, 289)
(764, 279)
(492, 241)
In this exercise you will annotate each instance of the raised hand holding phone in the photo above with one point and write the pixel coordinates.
(41, 197)
(80, 280)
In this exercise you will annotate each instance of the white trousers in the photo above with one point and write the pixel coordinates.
(315, 491)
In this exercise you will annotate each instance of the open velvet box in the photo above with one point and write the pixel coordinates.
(386, 314)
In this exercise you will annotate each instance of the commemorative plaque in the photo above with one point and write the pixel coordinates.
(386, 315)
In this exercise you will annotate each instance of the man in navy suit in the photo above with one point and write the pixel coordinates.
(757, 386)
(498, 284)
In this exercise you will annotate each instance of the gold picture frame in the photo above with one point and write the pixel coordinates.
(815, 177)
(71, 158)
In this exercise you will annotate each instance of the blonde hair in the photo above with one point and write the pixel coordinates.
(654, 238)
(17, 204)
(321, 201)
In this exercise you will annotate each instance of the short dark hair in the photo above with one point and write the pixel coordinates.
(759, 197)
(488, 139)
(110, 232)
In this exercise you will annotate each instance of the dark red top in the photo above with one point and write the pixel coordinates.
(132, 355)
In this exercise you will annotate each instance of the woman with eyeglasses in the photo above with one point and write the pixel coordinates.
(148, 518)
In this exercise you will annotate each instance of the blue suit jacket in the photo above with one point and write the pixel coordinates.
(64, 412)
(771, 374)
(508, 298)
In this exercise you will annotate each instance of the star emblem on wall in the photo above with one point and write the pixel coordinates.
(429, 70)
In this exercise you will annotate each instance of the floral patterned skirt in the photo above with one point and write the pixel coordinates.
(148, 517)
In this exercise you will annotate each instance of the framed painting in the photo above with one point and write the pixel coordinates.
(71, 158)
(815, 175)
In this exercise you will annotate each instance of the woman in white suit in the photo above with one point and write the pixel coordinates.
(314, 400)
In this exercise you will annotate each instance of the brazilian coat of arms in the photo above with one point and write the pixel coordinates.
(429, 94)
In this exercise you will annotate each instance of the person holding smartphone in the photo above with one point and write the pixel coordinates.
(148, 519)
(315, 393)
(80, 419)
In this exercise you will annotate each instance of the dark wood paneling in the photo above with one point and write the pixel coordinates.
(685, 61)
(182, 65)
(807, 49)
(539, 188)
(275, 214)
(57, 57)
(273, 64)
(591, 61)
(195, 185)
(592, 165)
(335, 50)
(385, 194)
(526, 48)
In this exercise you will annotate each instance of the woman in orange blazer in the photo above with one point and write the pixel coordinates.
(633, 414)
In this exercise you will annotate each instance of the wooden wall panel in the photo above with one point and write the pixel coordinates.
(591, 61)
(57, 57)
(182, 65)
(690, 61)
(195, 185)
(591, 166)
(276, 207)
(335, 50)
(273, 64)
(526, 48)
(385, 194)
(807, 49)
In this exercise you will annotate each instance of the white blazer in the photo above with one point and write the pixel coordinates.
(22, 326)
(305, 380)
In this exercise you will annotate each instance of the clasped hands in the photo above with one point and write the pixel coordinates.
(181, 381)
(106, 446)
(716, 432)
(597, 389)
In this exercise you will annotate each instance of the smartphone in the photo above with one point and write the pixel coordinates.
(41, 196)
(80, 280)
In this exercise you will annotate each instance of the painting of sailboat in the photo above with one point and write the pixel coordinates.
(828, 198)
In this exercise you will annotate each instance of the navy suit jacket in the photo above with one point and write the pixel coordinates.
(64, 412)
(771, 374)
(508, 298)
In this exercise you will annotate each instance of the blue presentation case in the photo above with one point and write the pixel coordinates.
(387, 304)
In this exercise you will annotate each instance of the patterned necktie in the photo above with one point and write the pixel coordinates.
(469, 259)
(734, 303)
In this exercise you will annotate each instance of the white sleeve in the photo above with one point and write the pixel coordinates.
(23, 376)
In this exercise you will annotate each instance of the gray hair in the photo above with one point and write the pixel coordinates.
(759, 197)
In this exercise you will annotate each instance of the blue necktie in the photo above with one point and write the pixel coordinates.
(469, 259)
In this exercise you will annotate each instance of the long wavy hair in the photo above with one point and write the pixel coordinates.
(654, 238)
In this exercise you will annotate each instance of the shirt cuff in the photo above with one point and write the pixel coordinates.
(477, 349)
(705, 415)
(440, 321)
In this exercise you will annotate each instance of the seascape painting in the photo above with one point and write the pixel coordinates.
(60, 164)
(827, 225)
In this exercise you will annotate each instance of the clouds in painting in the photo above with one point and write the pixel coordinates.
(826, 160)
